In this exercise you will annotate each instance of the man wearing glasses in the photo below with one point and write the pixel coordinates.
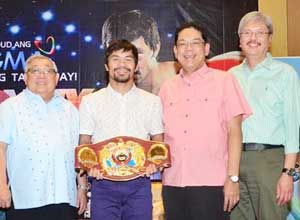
(202, 112)
(39, 131)
(271, 134)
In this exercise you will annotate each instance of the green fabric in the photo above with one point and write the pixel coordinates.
(259, 173)
(272, 90)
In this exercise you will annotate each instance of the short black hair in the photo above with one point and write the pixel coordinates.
(131, 25)
(192, 24)
(124, 45)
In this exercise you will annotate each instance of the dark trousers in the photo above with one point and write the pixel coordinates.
(49, 212)
(131, 200)
(194, 203)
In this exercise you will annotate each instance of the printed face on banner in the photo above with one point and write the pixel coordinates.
(121, 67)
(255, 39)
(190, 50)
(147, 59)
(41, 78)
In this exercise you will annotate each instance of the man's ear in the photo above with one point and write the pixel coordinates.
(206, 49)
(106, 67)
(57, 78)
(25, 78)
(136, 69)
(270, 40)
(156, 51)
(175, 51)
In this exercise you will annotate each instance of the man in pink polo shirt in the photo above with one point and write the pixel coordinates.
(203, 109)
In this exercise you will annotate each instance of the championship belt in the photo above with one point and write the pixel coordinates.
(122, 158)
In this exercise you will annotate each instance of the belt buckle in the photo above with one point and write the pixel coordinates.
(260, 147)
(253, 147)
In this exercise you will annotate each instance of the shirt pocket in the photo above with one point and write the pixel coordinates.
(171, 112)
(210, 106)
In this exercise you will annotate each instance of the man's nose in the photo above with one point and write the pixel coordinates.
(253, 35)
(122, 62)
(189, 45)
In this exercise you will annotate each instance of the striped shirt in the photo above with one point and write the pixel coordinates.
(272, 90)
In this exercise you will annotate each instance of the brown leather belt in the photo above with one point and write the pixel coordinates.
(259, 147)
(122, 158)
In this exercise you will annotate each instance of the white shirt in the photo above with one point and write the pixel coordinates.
(106, 114)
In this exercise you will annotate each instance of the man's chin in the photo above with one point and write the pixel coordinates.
(122, 80)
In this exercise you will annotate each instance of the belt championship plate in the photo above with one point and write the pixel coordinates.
(122, 158)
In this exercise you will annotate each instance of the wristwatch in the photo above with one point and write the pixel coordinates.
(234, 178)
(83, 187)
(289, 171)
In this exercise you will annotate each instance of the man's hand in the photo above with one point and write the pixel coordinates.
(284, 190)
(81, 200)
(231, 194)
(5, 196)
(150, 169)
(95, 172)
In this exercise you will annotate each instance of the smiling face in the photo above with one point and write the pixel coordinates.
(255, 39)
(41, 78)
(121, 67)
(190, 50)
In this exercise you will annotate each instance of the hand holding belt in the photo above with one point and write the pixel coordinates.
(122, 158)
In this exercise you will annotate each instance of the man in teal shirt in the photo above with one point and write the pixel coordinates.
(271, 134)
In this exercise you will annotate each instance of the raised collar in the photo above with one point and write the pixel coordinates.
(111, 91)
(266, 63)
(35, 98)
(199, 74)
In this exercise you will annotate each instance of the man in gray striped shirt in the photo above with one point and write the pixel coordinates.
(271, 134)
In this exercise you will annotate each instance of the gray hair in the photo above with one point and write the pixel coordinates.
(257, 17)
(38, 56)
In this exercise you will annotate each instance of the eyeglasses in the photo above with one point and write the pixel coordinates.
(258, 34)
(46, 71)
(193, 44)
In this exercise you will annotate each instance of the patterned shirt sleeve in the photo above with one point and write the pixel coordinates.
(234, 100)
(156, 117)
(87, 124)
(7, 123)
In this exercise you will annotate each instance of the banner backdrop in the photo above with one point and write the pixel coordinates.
(71, 33)
(74, 33)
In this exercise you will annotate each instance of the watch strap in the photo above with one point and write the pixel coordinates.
(289, 171)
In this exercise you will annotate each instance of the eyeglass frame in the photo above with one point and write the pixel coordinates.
(192, 43)
(46, 71)
(258, 34)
